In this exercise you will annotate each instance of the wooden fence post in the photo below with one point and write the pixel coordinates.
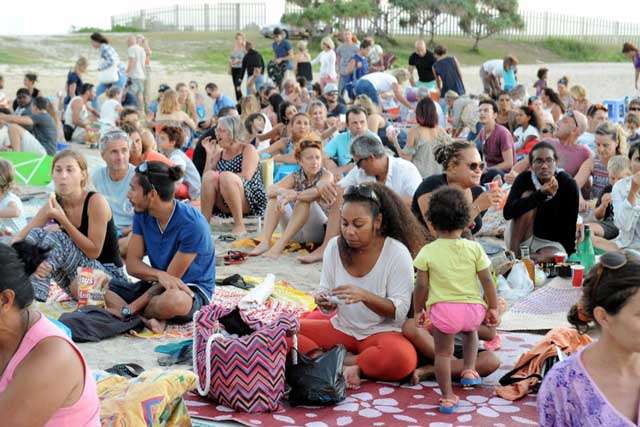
(207, 17)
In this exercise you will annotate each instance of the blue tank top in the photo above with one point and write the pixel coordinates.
(447, 70)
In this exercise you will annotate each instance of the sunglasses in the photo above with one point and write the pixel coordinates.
(363, 191)
(143, 170)
(634, 108)
(475, 166)
(571, 114)
(113, 135)
(609, 261)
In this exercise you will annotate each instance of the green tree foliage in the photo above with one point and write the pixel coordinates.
(329, 14)
(481, 19)
(427, 15)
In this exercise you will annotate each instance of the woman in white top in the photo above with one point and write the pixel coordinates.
(367, 277)
(327, 60)
(110, 109)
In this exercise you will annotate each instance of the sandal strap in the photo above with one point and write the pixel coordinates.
(472, 372)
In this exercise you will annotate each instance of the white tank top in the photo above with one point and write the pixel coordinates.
(68, 114)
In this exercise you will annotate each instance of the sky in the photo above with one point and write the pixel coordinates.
(52, 17)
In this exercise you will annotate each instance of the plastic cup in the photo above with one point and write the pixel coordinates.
(559, 257)
(494, 185)
(577, 275)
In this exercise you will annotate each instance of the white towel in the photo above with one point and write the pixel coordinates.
(258, 295)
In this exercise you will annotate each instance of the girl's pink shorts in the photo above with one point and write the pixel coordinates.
(453, 317)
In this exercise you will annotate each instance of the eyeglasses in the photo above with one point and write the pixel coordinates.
(540, 162)
(364, 191)
(113, 135)
(610, 261)
(475, 166)
(634, 108)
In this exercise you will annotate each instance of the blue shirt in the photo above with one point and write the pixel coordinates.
(222, 102)
(510, 80)
(339, 148)
(188, 232)
(116, 194)
(282, 49)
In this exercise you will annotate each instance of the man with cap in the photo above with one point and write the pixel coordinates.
(331, 98)
(154, 105)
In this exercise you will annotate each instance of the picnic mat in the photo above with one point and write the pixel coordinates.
(543, 309)
(391, 404)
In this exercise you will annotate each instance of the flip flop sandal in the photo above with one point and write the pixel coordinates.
(130, 370)
(448, 406)
(235, 257)
(227, 238)
(470, 378)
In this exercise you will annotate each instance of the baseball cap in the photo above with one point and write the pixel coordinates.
(331, 87)
(163, 88)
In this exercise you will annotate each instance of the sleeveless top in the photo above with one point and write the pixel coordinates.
(86, 411)
(304, 69)
(237, 55)
(451, 80)
(423, 153)
(302, 183)
(110, 253)
(68, 113)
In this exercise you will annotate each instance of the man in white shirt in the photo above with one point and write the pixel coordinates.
(372, 164)
(135, 69)
(492, 72)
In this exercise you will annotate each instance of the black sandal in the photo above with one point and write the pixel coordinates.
(131, 370)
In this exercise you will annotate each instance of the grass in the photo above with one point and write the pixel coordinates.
(209, 51)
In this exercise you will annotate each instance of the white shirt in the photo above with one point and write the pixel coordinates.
(28, 142)
(522, 135)
(191, 174)
(391, 277)
(627, 217)
(109, 114)
(17, 223)
(495, 67)
(137, 52)
(383, 82)
(327, 59)
(68, 113)
(403, 177)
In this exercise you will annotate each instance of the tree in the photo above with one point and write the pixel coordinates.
(482, 19)
(427, 14)
(327, 14)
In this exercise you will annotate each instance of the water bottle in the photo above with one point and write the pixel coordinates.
(585, 254)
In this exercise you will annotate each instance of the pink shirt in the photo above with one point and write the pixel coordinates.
(570, 157)
(86, 411)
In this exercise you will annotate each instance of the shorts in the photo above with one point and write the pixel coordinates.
(430, 86)
(365, 87)
(131, 291)
(535, 244)
(452, 317)
(137, 86)
(609, 228)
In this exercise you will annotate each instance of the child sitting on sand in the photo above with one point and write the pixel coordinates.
(11, 219)
(451, 267)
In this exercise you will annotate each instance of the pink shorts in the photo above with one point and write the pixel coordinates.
(453, 317)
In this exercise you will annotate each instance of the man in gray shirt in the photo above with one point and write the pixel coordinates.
(344, 53)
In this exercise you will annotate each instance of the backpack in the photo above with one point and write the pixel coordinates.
(533, 365)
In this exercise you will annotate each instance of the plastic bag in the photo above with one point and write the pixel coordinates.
(319, 381)
(517, 285)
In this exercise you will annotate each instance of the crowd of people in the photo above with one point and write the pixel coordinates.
(387, 172)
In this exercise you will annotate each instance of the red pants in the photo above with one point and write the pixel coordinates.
(385, 356)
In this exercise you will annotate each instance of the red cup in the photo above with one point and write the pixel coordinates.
(577, 275)
(559, 257)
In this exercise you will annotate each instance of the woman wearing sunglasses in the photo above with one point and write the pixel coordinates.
(462, 169)
(367, 277)
(600, 384)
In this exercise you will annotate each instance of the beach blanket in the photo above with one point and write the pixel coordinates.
(543, 309)
(392, 404)
(291, 247)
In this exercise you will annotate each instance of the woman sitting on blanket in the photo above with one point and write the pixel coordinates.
(44, 380)
(367, 276)
(295, 202)
(76, 225)
(599, 385)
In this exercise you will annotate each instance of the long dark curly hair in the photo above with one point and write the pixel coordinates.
(397, 220)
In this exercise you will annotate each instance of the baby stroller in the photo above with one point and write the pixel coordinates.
(276, 71)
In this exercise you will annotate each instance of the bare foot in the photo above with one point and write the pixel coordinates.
(422, 373)
(315, 256)
(350, 359)
(273, 253)
(260, 249)
(352, 376)
(156, 326)
(239, 230)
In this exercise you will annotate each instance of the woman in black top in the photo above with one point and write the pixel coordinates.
(76, 225)
(462, 167)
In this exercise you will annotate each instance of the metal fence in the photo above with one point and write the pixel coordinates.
(202, 17)
(537, 25)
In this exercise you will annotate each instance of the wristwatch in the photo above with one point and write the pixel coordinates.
(125, 311)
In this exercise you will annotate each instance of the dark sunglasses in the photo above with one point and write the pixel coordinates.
(609, 261)
(475, 166)
(363, 191)
(634, 108)
(143, 170)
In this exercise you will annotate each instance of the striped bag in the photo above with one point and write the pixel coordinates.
(245, 373)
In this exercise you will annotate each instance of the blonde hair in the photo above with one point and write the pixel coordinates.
(302, 45)
(401, 75)
(7, 175)
(616, 133)
(365, 102)
(112, 92)
(578, 92)
(618, 165)
(328, 41)
(79, 158)
(248, 105)
(82, 64)
(169, 103)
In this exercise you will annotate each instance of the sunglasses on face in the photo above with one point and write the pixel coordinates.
(634, 108)
(475, 166)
